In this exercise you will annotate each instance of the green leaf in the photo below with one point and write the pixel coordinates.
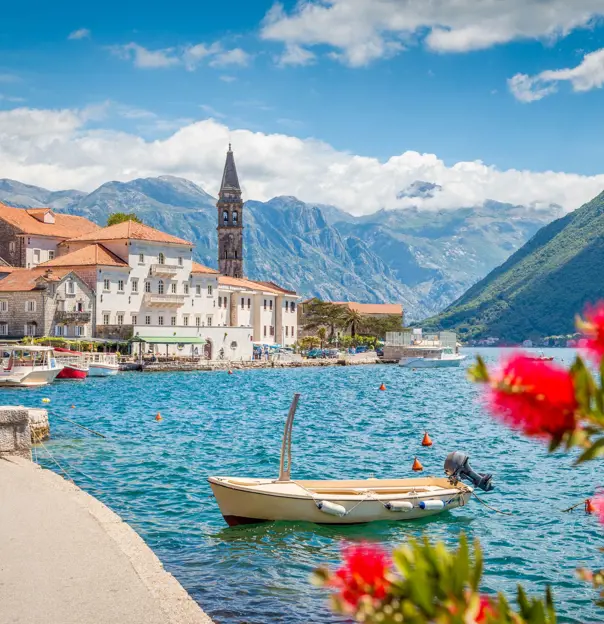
(595, 450)
(476, 574)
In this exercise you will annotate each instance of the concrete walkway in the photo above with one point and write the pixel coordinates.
(65, 558)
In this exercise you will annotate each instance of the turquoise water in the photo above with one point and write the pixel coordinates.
(154, 475)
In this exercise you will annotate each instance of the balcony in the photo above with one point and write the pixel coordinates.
(163, 301)
(72, 317)
(165, 270)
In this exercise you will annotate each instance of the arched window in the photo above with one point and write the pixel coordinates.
(161, 258)
(160, 287)
(235, 217)
(225, 217)
(226, 253)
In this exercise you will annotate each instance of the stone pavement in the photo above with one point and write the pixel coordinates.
(65, 558)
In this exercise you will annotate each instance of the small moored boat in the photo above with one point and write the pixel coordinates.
(248, 500)
(73, 363)
(101, 364)
(442, 357)
(28, 366)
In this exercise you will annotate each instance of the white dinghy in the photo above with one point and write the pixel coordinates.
(355, 501)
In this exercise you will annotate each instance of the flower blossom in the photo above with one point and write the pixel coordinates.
(485, 610)
(592, 327)
(534, 396)
(363, 573)
(596, 505)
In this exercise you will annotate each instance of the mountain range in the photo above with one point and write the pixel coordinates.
(539, 289)
(423, 259)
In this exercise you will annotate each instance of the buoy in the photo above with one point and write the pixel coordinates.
(426, 441)
(158, 416)
(230, 372)
(73, 407)
(45, 400)
(589, 506)
(431, 504)
(399, 506)
(333, 509)
(382, 387)
(417, 466)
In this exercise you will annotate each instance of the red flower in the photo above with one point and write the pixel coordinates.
(592, 327)
(596, 505)
(363, 574)
(485, 610)
(534, 396)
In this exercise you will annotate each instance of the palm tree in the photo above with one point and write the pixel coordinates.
(323, 314)
(352, 320)
(321, 335)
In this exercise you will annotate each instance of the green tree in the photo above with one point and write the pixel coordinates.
(321, 335)
(120, 217)
(353, 320)
(323, 314)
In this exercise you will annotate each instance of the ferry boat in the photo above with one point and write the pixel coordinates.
(29, 366)
(416, 349)
(432, 357)
(248, 500)
(73, 363)
(101, 364)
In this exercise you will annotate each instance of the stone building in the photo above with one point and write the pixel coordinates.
(45, 302)
(30, 236)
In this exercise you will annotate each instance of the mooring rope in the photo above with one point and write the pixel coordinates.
(505, 513)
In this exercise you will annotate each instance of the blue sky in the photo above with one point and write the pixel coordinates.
(434, 83)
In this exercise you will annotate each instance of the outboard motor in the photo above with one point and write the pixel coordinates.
(457, 467)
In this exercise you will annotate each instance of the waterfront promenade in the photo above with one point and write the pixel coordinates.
(66, 558)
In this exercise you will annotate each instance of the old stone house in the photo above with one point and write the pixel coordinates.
(45, 302)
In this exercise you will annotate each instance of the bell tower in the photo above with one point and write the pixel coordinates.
(230, 221)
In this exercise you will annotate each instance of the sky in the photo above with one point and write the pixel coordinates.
(347, 102)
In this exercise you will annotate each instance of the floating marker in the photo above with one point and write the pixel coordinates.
(158, 416)
(73, 407)
(589, 506)
(382, 387)
(426, 441)
(45, 400)
(417, 466)
(230, 372)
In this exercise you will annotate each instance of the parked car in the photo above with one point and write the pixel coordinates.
(361, 349)
(331, 353)
(379, 351)
(313, 354)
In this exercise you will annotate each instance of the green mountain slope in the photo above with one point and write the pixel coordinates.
(541, 287)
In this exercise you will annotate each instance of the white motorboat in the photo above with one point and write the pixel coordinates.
(101, 364)
(29, 366)
(432, 357)
(248, 500)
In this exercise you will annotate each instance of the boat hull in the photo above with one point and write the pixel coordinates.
(31, 379)
(102, 370)
(241, 505)
(73, 372)
(421, 362)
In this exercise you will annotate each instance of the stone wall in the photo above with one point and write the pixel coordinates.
(15, 432)
(8, 235)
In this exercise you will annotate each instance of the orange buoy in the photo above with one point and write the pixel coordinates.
(382, 387)
(230, 372)
(426, 441)
(589, 506)
(73, 407)
(158, 416)
(417, 466)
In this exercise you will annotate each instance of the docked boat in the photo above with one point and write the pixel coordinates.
(248, 500)
(101, 364)
(541, 357)
(431, 357)
(28, 366)
(73, 363)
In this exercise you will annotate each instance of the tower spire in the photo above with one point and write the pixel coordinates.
(230, 181)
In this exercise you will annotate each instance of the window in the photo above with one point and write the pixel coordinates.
(209, 290)
(249, 304)
(235, 217)
(271, 304)
(120, 319)
(242, 303)
(30, 329)
(148, 287)
(4, 305)
(105, 319)
(30, 306)
(265, 304)
(174, 288)
(36, 256)
(106, 285)
(272, 331)
(292, 306)
(135, 285)
(58, 330)
(173, 321)
(185, 288)
(293, 333)
(220, 302)
(160, 320)
(180, 261)
(80, 330)
(286, 330)
(225, 217)
(287, 306)
(12, 247)
(160, 287)
(265, 330)
(141, 258)
(71, 287)
(134, 319)
(120, 286)
(209, 320)
(161, 258)
(51, 255)
(3, 329)
(198, 290)
(185, 320)
(147, 320)
(197, 321)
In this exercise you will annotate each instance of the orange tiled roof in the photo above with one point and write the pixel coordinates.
(200, 268)
(246, 284)
(373, 308)
(91, 255)
(285, 291)
(65, 226)
(128, 230)
(21, 280)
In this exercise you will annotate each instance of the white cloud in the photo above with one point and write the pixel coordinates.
(589, 74)
(295, 55)
(81, 33)
(188, 56)
(228, 78)
(361, 31)
(56, 149)
(11, 98)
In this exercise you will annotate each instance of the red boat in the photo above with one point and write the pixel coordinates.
(74, 366)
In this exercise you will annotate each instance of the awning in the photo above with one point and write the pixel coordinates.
(169, 340)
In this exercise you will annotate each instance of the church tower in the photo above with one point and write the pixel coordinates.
(230, 221)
